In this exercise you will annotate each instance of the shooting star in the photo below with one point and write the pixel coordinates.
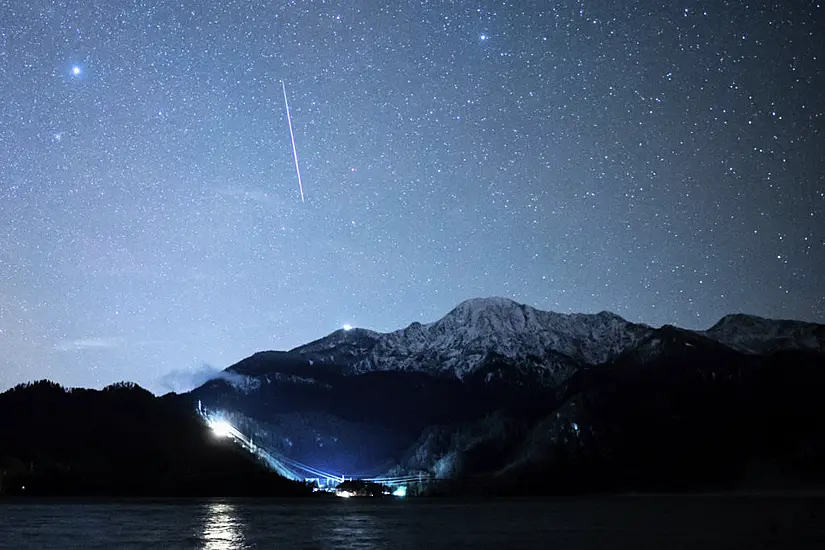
(292, 137)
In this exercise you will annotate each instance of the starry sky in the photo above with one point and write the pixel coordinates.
(660, 160)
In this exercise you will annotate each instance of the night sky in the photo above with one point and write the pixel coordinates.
(664, 161)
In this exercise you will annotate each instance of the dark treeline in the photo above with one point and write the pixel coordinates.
(699, 422)
(120, 441)
(691, 418)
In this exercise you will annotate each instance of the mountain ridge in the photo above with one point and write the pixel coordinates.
(457, 344)
(476, 327)
(758, 335)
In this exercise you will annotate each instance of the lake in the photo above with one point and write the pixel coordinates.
(659, 522)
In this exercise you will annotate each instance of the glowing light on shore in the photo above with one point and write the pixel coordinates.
(221, 428)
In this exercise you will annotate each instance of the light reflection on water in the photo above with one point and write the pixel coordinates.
(655, 522)
(223, 527)
(351, 530)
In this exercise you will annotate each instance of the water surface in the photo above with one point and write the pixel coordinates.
(667, 522)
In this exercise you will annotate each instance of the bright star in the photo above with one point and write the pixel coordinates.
(347, 327)
(76, 70)
(483, 37)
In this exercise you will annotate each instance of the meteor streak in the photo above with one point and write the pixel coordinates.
(292, 137)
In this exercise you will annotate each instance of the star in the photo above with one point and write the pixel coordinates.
(478, 164)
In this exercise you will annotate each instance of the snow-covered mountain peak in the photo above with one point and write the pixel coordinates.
(497, 313)
(484, 333)
(479, 305)
(487, 314)
(460, 341)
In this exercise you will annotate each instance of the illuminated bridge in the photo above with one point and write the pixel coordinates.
(291, 468)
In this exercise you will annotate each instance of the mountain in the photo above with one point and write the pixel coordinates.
(503, 392)
(458, 344)
(756, 335)
(119, 441)
(494, 398)
(697, 420)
